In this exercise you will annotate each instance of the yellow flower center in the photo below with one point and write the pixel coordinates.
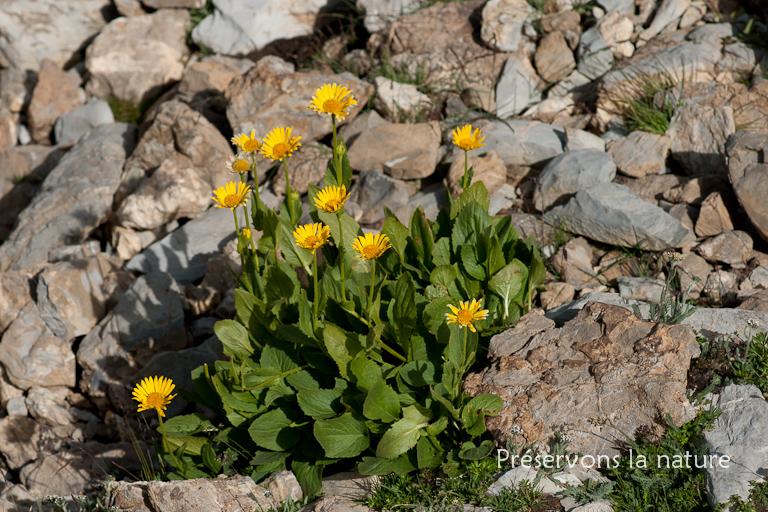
(465, 143)
(331, 106)
(312, 241)
(280, 150)
(332, 204)
(231, 201)
(155, 400)
(464, 317)
(251, 145)
(370, 251)
(241, 165)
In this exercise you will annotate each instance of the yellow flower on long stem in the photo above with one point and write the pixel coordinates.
(332, 99)
(466, 139)
(245, 143)
(239, 164)
(370, 246)
(467, 314)
(331, 199)
(279, 144)
(231, 195)
(312, 236)
(154, 393)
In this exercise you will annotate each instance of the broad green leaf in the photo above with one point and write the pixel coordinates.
(471, 452)
(470, 263)
(397, 234)
(475, 194)
(351, 230)
(338, 344)
(402, 435)
(310, 476)
(192, 445)
(421, 238)
(429, 453)
(187, 425)
(438, 426)
(404, 316)
(441, 253)
(272, 430)
(331, 173)
(382, 403)
(342, 437)
(366, 373)
(209, 458)
(444, 275)
(267, 457)
(281, 282)
(469, 226)
(496, 260)
(278, 357)
(418, 373)
(234, 338)
(320, 404)
(302, 381)
(509, 282)
(536, 275)
(434, 314)
(490, 405)
(382, 466)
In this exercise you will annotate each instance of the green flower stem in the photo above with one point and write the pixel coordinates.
(167, 446)
(391, 351)
(237, 226)
(370, 296)
(288, 191)
(335, 155)
(466, 165)
(256, 183)
(314, 278)
(248, 225)
(341, 255)
(464, 356)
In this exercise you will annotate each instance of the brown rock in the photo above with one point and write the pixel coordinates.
(56, 93)
(694, 191)
(489, 169)
(756, 301)
(604, 374)
(554, 59)
(556, 294)
(15, 292)
(167, 4)
(8, 126)
(731, 247)
(713, 216)
(653, 187)
(698, 135)
(18, 440)
(640, 153)
(693, 265)
(306, 166)
(512, 340)
(747, 171)
(684, 213)
(574, 262)
(562, 21)
(403, 151)
(720, 284)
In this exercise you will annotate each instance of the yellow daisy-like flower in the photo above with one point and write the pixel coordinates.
(231, 195)
(332, 198)
(312, 236)
(247, 233)
(279, 144)
(245, 143)
(467, 314)
(239, 164)
(465, 139)
(370, 246)
(154, 393)
(332, 99)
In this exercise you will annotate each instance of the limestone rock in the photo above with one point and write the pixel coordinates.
(379, 13)
(694, 191)
(403, 151)
(731, 247)
(603, 373)
(616, 29)
(373, 191)
(747, 172)
(574, 263)
(91, 170)
(430, 199)
(266, 97)
(556, 294)
(363, 122)
(517, 87)
(400, 102)
(698, 137)
(305, 166)
(720, 285)
(135, 58)
(18, 440)
(567, 174)
(129, 8)
(33, 356)
(47, 29)
(520, 142)
(668, 13)
(118, 346)
(178, 4)
(55, 94)
(580, 139)
(510, 341)
(594, 54)
(554, 59)
(612, 214)
(713, 216)
(49, 405)
(640, 288)
(694, 265)
(489, 169)
(15, 292)
(73, 125)
(503, 21)
(640, 153)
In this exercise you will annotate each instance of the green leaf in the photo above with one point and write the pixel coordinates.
(266, 457)
(429, 453)
(340, 346)
(397, 234)
(441, 253)
(470, 263)
(310, 476)
(282, 282)
(294, 255)
(382, 403)
(191, 445)
(302, 381)
(496, 260)
(234, 338)
(509, 282)
(366, 373)
(457, 352)
(382, 466)
(418, 373)
(402, 435)
(434, 313)
(342, 437)
(320, 404)
(438, 426)
(272, 431)
(351, 232)
(536, 275)
(444, 275)
(187, 425)
(490, 405)
(470, 452)
(278, 357)
(404, 310)
(421, 238)
(475, 194)
(209, 459)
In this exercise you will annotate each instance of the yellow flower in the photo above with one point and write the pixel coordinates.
(466, 314)
(279, 144)
(245, 143)
(239, 164)
(332, 198)
(247, 233)
(371, 246)
(312, 236)
(231, 195)
(466, 140)
(154, 393)
(330, 99)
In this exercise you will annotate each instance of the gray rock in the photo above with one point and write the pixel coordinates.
(33, 356)
(747, 170)
(640, 288)
(18, 440)
(379, 13)
(512, 478)
(713, 32)
(611, 213)
(517, 87)
(373, 191)
(17, 406)
(570, 172)
(731, 247)
(431, 199)
(502, 27)
(47, 29)
(640, 153)
(737, 441)
(595, 506)
(149, 310)
(520, 142)
(50, 405)
(73, 125)
(91, 171)
(721, 284)
(575, 85)
(361, 123)
(184, 253)
(174, 4)
(580, 139)
(240, 27)
(622, 6)
(400, 102)
(304, 167)
(135, 58)
(55, 94)
(510, 341)
(594, 54)
(698, 134)
(668, 13)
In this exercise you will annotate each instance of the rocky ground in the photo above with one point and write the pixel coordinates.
(615, 130)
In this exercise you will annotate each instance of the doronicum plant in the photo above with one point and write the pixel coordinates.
(349, 349)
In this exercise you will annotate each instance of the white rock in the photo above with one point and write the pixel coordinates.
(73, 125)
(399, 101)
(616, 30)
(594, 54)
(378, 13)
(517, 87)
(668, 13)
(503, 22)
